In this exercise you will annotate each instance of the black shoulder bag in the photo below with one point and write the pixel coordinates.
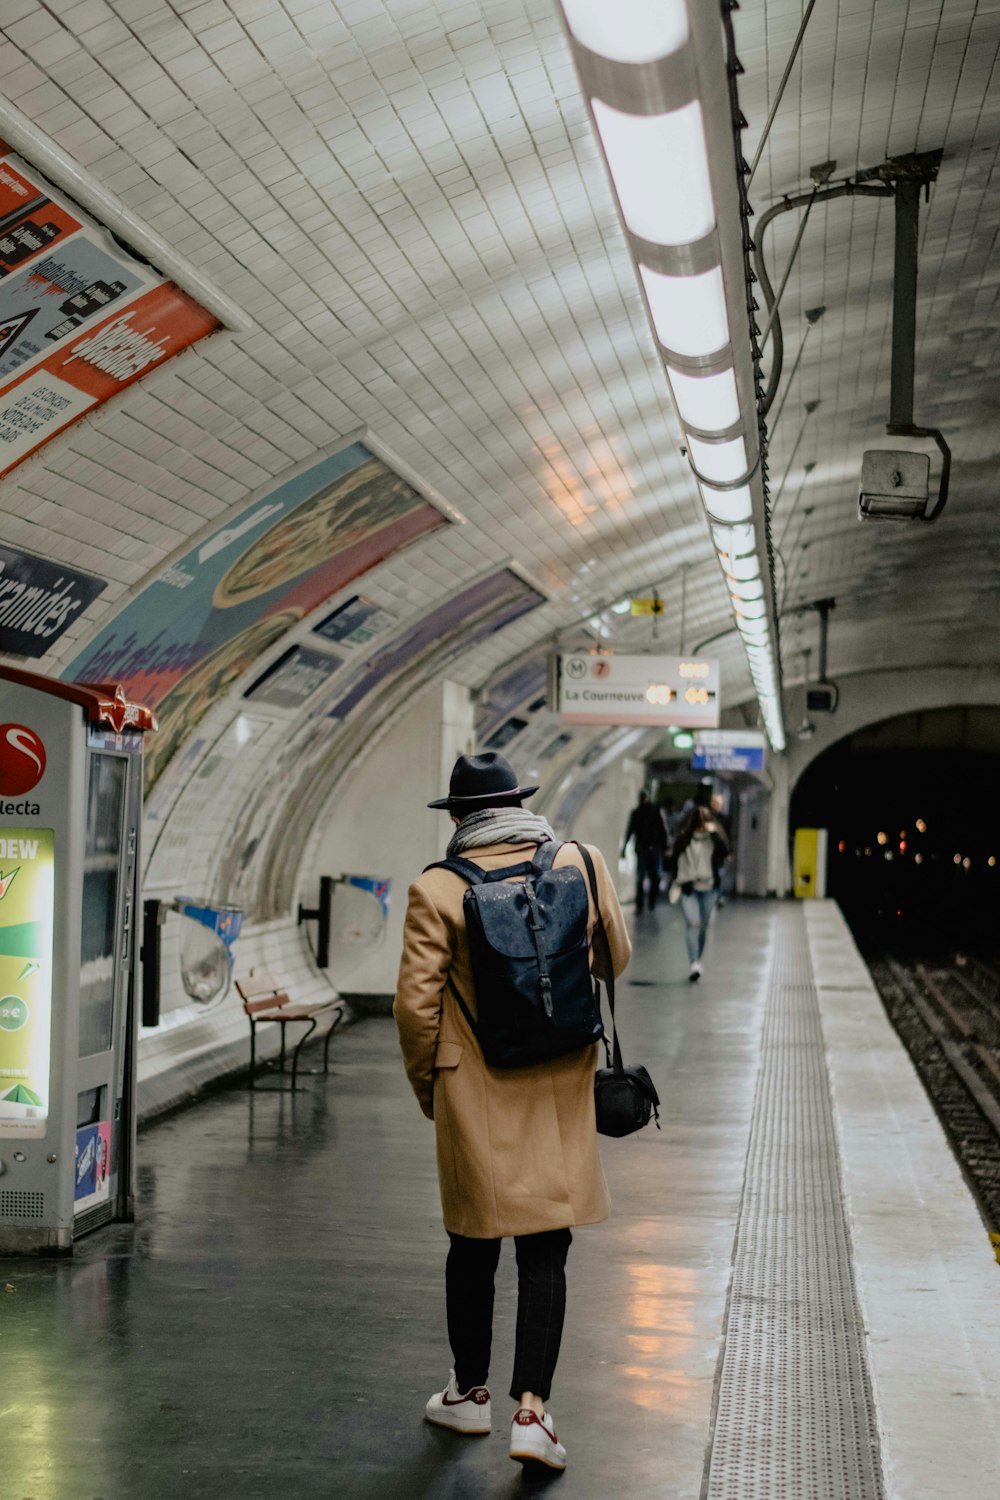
(625, 1098)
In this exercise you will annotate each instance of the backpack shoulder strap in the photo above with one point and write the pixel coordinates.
(544, 856)
(603, 947)
(464, 867)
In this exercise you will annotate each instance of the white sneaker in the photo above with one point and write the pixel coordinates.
(469, 1413)
(533, 1440)
(695, 973)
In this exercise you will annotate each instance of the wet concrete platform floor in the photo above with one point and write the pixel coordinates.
(274, 1322)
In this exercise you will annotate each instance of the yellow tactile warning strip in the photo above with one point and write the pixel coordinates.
(794, 1412)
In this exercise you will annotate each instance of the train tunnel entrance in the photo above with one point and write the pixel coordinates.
(914, 829)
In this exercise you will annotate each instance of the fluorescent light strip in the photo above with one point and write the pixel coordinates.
(741, 569)
(710, 402)
(628, 31)
(752, 609)
(735, 541)
(659, 166)
(722, 462)
(689, 312)
(729, 506)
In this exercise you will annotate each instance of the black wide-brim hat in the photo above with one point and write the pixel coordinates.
(482, 778)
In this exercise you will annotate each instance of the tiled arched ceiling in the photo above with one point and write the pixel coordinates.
(407, 202)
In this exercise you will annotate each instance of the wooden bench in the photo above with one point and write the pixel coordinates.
(266, 999)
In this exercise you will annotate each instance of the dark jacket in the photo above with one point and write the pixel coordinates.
(646, 826)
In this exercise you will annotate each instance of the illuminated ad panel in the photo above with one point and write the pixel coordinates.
(79, 318)
(26, 915)
(191, 633)
(642, 690)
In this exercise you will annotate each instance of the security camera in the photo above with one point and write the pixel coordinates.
(894, 486)
(822, 698)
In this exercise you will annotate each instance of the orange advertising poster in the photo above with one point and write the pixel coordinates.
(80, 318)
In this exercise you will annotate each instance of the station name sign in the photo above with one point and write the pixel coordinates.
(39, 600)
(650, 691)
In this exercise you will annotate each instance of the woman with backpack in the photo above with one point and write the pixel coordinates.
(516, 1144)
(698, 848)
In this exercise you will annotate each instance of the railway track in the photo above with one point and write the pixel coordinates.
(947, 1015)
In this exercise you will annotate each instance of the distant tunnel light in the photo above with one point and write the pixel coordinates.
(628, 31)
(659, 166)
(729, 506)
(709, 402)
(689, 312)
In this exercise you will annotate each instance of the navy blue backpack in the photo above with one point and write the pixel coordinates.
(528, 940)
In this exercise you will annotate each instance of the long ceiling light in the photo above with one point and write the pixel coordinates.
(654, 73)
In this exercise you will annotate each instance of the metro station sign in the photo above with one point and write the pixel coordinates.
(650, 691)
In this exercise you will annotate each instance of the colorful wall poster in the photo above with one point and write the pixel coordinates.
(27, 883)
(292, 680)
(187, 637)
(462, 621)
(80, 319)
(92, 1183)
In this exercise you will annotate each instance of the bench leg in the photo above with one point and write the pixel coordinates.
(281, 1065)
(326, 1045)
(295, 1055)
(253, 1050)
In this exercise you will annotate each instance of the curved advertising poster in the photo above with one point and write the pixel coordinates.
(80, 318)
(187, 637)
(26, 915)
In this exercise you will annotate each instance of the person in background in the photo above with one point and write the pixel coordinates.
(721, 856)
(649, 833)
(695, 850)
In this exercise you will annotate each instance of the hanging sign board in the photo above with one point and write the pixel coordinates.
(642, 690)
(728, 750)
(647, 606)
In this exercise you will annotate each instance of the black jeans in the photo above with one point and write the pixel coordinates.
(541, 1308)
(647, 867)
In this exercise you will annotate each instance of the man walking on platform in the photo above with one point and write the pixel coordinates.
(647, 828)
(516, 1145)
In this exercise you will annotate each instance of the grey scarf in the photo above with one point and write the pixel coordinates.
(498, 825)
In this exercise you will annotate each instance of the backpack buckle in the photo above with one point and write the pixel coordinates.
(545, 985)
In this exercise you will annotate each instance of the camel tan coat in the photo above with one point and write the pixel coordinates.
(516, 1147)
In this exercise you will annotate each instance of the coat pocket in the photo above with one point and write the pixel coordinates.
(448, 1055)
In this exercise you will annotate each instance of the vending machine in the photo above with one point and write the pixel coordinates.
(70, 818)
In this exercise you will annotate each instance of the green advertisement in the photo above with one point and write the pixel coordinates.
(27, 869)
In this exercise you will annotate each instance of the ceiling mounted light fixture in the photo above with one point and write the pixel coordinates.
(655, 74)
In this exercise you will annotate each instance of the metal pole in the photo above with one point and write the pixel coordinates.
(812, 318)
(788, 269)
(684, 592)
(781, 89)
(904, 302)
(809, 409)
